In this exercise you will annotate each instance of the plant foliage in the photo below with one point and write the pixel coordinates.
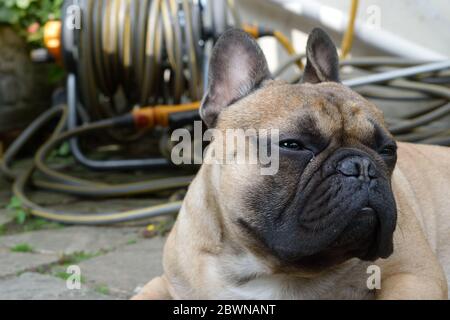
(28, 17)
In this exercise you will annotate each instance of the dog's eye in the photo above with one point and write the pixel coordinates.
(389, 151)
(291, 144)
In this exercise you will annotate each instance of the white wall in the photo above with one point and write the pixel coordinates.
(425, 22)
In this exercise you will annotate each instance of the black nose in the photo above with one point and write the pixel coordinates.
(357, 166)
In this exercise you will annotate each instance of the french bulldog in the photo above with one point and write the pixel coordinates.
(348, 201)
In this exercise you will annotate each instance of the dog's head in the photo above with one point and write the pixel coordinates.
(331, 199)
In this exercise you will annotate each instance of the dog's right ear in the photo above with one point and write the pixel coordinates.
(237, 67)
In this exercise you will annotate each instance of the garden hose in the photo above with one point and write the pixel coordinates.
(81, 187)
(19, 142)
(259, 31)
(62, 182)
(132, 52)
(88, 219)
(433, 115)
(141, 52)
(347, 41)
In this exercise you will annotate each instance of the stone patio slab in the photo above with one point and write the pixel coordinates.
(126, 269)
(35, 286)
(73, 239)
(12, 263)
(5, 217)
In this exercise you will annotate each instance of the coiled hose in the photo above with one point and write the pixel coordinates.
(75, 186)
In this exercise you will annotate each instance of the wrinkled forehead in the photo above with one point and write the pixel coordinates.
(325, 109)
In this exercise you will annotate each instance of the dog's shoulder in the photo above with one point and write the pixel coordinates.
(421, 182)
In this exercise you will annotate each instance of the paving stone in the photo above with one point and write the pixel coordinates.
(12, 263)
(5, 196)
(35, 286)
(125, 270)
(5, 217)
(73, 239)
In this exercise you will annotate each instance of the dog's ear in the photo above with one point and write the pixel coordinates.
(322, 63)
(237, 67)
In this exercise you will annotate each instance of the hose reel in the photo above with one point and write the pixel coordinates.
(135, 53)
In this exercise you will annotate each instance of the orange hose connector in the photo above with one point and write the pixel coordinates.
(52, 38)
(150, 117)
(252, 30)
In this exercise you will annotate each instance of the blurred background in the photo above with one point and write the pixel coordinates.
(91, 90)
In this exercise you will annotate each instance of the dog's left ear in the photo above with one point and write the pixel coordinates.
(237, 67)
(322, 63)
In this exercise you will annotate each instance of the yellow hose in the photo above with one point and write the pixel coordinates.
(347, 41)
(255, 32)
(284, 41)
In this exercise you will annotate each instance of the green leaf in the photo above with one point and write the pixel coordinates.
(9, 16)
(14, 203)
(23, 4)
(56, 74)
(22, 13)
(64, 150)
(19, 212)
(21, 216)
(10, 3)
(22, 247)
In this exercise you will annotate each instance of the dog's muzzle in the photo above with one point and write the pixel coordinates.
(348, 211)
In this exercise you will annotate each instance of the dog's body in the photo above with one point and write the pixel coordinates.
(312, 230)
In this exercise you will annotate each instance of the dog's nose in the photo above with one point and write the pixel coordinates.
(357, 166)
